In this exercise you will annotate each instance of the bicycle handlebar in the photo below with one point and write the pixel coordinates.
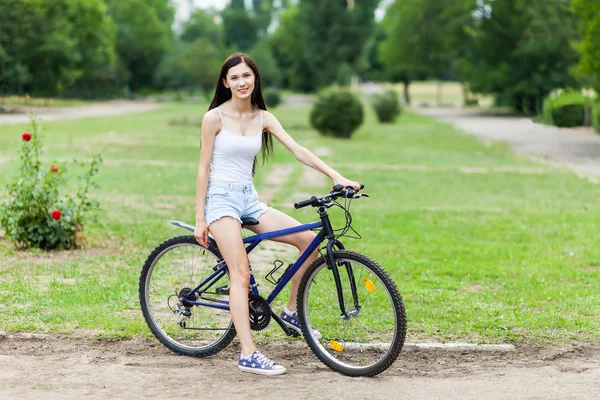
(338, 191)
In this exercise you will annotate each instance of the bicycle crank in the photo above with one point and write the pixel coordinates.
(260, 312)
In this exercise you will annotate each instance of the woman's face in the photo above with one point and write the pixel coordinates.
(240, 79)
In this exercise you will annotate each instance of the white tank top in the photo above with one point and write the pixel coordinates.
(233, 154)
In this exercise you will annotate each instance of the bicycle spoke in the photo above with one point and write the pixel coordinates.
(184, 266)
(365, 336)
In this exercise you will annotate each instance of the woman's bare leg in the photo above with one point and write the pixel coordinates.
(273, 220)
(227, 234)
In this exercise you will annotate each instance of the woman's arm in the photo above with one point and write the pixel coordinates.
(302, 154)
(210, 126)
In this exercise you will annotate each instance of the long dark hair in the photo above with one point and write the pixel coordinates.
(223, 94)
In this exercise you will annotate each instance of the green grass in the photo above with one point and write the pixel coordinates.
(490, 256)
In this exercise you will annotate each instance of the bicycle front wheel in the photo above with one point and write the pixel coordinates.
(367, 338)
(172, 270)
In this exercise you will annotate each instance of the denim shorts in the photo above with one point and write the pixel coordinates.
(224, 199)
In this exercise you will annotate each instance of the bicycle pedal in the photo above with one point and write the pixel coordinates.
(223, 290)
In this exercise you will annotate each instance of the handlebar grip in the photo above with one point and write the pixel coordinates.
(305, 203)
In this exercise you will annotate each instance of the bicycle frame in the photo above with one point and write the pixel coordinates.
(252, 241)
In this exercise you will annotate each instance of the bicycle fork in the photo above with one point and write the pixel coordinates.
(345, 314)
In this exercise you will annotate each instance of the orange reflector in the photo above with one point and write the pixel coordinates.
(369, 285)
(336, 346)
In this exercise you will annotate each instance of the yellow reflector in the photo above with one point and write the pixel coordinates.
(369, 285)
(336, 346)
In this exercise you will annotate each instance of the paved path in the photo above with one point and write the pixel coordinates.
(578, 148)
(45, 114)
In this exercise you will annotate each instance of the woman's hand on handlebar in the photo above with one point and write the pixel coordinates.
(346, 182)
(201, 233)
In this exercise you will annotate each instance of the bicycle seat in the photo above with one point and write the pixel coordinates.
(249, 221)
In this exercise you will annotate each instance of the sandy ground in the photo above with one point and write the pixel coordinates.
(575, 148)
(55, 367)
(45, 114)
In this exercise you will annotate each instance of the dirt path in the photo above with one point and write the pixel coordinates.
(578, 149)
(55, 367)
(45, 114)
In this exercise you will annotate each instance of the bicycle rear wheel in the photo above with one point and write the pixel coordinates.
(176, 267)
(368, 338)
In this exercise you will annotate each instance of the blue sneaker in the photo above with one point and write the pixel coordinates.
(258, 363)
(290, 319)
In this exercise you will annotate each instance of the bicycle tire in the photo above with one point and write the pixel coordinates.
(160, 331)
(319, 343)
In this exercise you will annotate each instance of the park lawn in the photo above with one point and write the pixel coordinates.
(484, 245)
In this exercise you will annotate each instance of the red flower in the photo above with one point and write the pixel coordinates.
(26, 136)
(53, 168)
(56, 214)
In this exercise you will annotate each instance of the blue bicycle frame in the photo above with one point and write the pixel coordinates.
(252, 242)
(326, 233)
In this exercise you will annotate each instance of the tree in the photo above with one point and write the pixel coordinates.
(287, 48)
(263, 12)
(202, 24)
(520, 50)
(239, 29)
(423, 38)
(190, 66)
(270, 73)
(143, 37)
(204, 63)
(588, 12)
(47, 47)
(334, 35)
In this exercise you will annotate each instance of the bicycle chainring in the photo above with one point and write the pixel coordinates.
(260, 312)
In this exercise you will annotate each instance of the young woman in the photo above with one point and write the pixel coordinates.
(234, 130)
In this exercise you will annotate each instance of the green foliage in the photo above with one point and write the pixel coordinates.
(50, 46)
(423, 36)
(35, 215)
(336, 112)
(272, 97)
(371, 66)
(520, 50)
(287, 49)
(239, 29)
(143, 37)
(566, 109)
(270, 73)
(191, 66)
(203, 63)
(263, 11)
(386, 105)
(333, 35)
(596, 116)
(202, 24)
(588, 12)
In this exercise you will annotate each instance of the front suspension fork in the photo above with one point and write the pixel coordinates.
(337, 279)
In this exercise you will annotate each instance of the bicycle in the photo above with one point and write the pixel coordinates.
(346, 296)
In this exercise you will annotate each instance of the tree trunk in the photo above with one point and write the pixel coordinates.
(406, 94)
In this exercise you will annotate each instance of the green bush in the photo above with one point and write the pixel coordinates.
(569, 115)
(336, 112)
(34, 214)
(272, 97)
(596, 116)
(566, 109)
(386, 105)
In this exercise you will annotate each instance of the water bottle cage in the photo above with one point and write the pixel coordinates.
(270, 276)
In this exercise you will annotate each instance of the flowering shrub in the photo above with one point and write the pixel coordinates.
(35, 215)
